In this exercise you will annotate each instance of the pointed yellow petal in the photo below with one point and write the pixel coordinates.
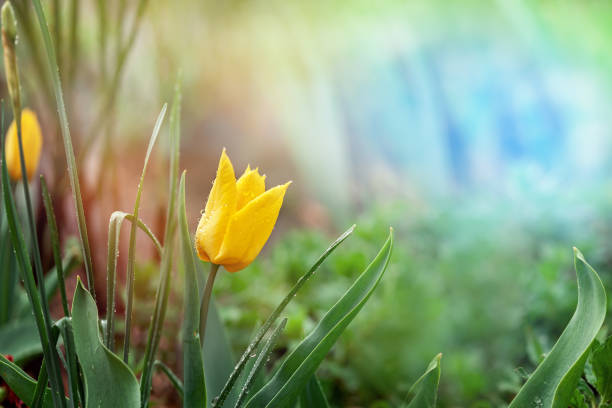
(220, 207)
(250, 228)
(31, 137)
(250, 185)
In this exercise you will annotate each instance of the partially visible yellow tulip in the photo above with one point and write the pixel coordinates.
(238, 218)
(31, 137)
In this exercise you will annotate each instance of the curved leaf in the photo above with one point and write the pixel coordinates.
(108, 380)
(283, 389)
(425, 389)
(553, 382)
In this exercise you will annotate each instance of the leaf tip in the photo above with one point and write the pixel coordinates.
(578, 254)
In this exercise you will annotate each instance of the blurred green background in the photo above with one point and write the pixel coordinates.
(478, 130)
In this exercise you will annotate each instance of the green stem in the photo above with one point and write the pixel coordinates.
(70, 158)
(55, 244)
(214, 268)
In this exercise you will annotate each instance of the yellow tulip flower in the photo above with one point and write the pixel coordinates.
(238, 218)
(31, 137)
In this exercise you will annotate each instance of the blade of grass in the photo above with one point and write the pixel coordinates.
(70, 158)
(263, 357)
(193, 368)
(55, 243)
(114, 229)
(131, 255)
(163, 289)
(273, 316)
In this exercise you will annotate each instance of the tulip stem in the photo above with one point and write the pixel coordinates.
(206, 300)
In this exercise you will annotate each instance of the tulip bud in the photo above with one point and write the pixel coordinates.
(31, 139)
(9, 39)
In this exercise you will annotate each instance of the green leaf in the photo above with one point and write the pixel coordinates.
(193, 368)
(553, 382)
(313, 395)
(174, 380)
(216, 351)
(167, 258)
(20, 339)
(274, 316)
(132, 248)
(601, 360)
(262, 359)
(109, 382)
(21, 383)
(425, 389)
(296, 370)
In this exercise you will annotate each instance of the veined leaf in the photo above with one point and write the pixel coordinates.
(552, 383)
(425, 389)
(194, 387)
(109, 382)
(283, 389)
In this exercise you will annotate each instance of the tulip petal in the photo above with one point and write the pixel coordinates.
(220, 207)
(31, 137)
(250, 185)
(249, 229)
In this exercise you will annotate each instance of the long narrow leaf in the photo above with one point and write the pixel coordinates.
(70, 159)
(295, 371)
(55, 244)
(262, 359)
(163, 288)
(274, 316)
(193, 368)
(553, 382)
(131, 255)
